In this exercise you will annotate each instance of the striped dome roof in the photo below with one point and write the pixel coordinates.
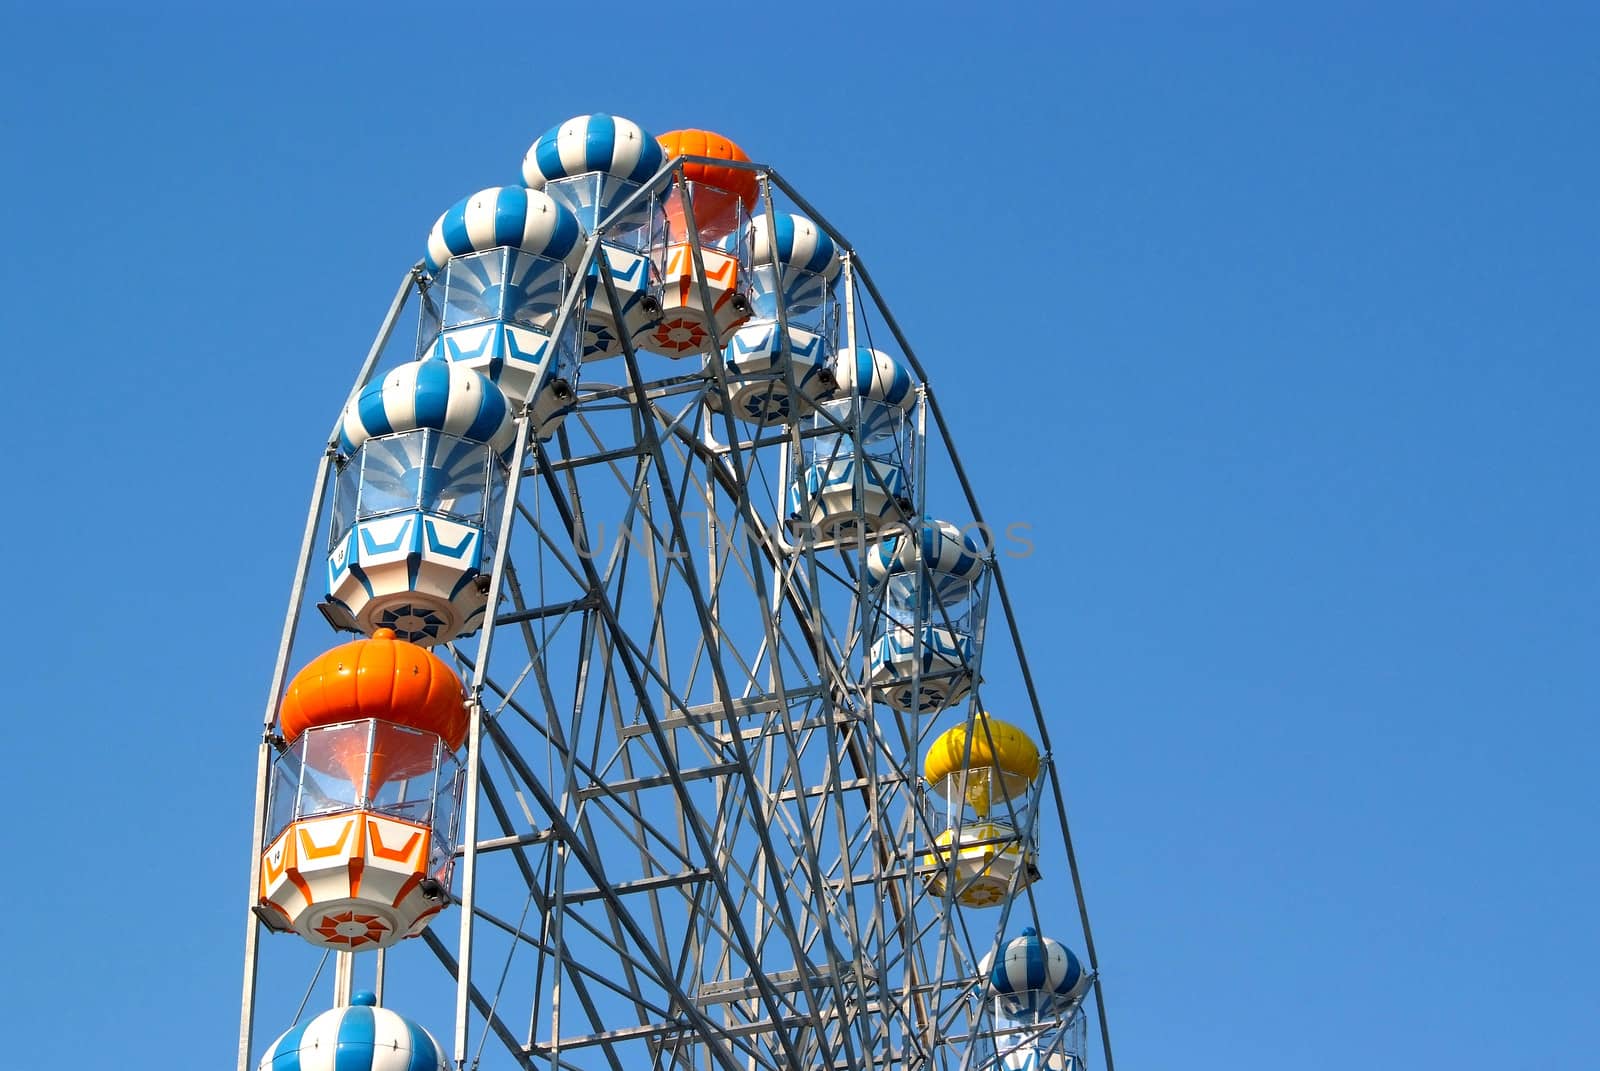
(1035, 976)
(605, 143)
(945, 549)
(430, 394)
(801, 245)
(362, 1037)
(875, 375)
(514, 216)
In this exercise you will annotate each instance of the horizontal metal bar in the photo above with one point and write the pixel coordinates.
(789, 981)
(817, 721)
(903, 867)
(638, 784)
(771, 440)
(658, 881)
(585, 460)
(708, 713)
(607, 1037)
(851, 785)
(754, 704)
(865, 1009)
(501, 843)
(555, 609)
(675, 1030)
(654, 390)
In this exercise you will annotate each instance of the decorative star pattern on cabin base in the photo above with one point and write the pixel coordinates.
(679, 335)
(351, 929)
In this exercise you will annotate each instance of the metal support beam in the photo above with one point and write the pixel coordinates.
(280, 673)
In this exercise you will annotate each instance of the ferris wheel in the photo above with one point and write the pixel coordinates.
(666, 724)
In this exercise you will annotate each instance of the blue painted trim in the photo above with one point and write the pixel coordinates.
(425, 1055)
(358, 1035)
(361, 578)
(547, 155)
(599, 142)
(510, 215)
(439, 546)
(369, 545)
(432, 394)
(285, 1052)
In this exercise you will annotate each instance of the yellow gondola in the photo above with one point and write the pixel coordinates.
(1000, 765)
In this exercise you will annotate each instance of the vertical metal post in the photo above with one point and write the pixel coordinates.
(469, 815)
(344, 973)
(252, 940)
(469, 873)
(847, 270)
(713, 573)
(919, 445)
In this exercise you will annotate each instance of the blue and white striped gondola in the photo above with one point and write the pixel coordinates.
(807, 263)
(361, 1037)
(501, 260)
(430, 394)
(592, 164)
(637, 282)
(1036, 978)
(953, 560)
(921, 671)
(884, 386)
(758, 372)
(505, 217)
(827, 502)
(855, 476)
(927, 601)
(425, 451)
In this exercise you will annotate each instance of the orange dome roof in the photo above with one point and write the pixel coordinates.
(706, 143)
(381, 677)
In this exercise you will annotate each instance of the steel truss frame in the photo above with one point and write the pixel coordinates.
(691, 836)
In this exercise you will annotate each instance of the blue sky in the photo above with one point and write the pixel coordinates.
(1277, 328)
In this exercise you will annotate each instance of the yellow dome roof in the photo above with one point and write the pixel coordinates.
(1013, 752)
(989, 775)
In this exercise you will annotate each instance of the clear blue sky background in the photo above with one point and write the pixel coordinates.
(1278, 327)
